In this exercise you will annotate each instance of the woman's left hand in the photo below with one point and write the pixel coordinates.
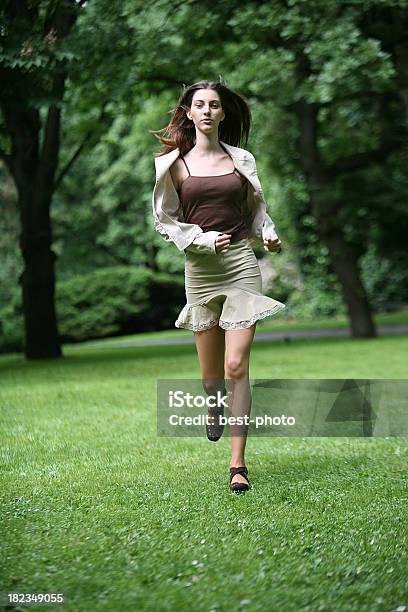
(272, 244)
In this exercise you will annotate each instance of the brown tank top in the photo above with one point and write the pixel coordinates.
(215, 202)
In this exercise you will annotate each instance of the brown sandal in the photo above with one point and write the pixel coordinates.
(239, 487)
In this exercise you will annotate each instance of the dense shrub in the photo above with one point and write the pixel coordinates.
(385, 280)
(315, 300)
(12, 325)
(107, 302)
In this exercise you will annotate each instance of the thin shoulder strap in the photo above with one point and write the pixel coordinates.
(185, 164)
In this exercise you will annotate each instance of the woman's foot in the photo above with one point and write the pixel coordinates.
(239, 479)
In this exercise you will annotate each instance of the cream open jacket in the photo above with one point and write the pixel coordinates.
(167, 212)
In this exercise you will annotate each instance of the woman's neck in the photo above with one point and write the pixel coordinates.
(206, 144)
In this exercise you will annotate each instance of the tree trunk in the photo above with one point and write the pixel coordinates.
(34, 178)
(354, 296)
(325, 211)
(41, 332)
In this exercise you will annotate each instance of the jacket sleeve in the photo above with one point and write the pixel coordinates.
(203, 243)
(168, 220)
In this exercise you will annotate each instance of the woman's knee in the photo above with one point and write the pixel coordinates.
(236, 366)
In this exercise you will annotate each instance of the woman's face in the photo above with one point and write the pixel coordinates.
(206, 111)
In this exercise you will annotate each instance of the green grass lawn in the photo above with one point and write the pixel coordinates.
(96, 506)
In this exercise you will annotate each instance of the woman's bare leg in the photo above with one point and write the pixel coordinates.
(210, 345)
(238, 347)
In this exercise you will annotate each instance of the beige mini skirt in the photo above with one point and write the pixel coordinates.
(224, 289)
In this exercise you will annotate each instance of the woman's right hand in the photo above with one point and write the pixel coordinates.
(222, 243)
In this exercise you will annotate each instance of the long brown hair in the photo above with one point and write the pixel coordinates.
(180, 132)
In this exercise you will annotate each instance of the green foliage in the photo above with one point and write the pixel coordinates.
(319, 292)
(125, 64)
(103, 209)
(12, 325)
(115, 301)
(98, 304)
(319, 297)
(384, 279)
(351, 75)
(33, 52)
(107, 302)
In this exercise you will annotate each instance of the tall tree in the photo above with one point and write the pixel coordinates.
(330, 74)
(43, 53)
(33, 74)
